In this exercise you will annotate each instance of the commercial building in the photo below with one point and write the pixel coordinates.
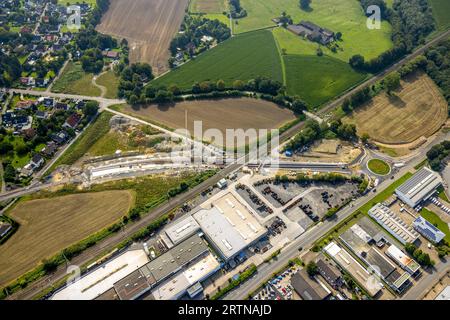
(131, 275)
(428, 230)
(403, 260)
(444, 294)
(229, 226)
(359, 273)
(308, 288)
(419, 187)
(102, 278)
(330, 273)
(393, 224)
(357, 240)
(180, 230)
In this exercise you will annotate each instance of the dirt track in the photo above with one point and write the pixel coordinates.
(148, 25)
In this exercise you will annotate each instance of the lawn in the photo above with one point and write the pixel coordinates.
(88, 138)
(17, 161)
(434, 219)
(75, 81)
(378, 166)
(49, 225)
(442, 195)
(111, 82)
(345, 16)
(208, 6)
(441, 13)
(318, 79)
(243, 57)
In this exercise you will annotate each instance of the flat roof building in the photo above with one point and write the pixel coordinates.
(428, 230)
(419, 187)
(181, 229)
(229, 226)
(102, 279)
(348, 263)
(357, 240)
(402, 259)
(308, 288)
(393, 224)
(444, 294)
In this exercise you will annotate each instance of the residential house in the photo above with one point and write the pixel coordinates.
(72, 121)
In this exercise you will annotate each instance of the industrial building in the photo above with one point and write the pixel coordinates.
(428, 230)
(229, 226)
(444, 294)
(330, 273)
(348, 263)
(309, 288)
(403, 260)
(393, 224)
(422, 185)
(357, 240)
(180, 230)
(131, 275)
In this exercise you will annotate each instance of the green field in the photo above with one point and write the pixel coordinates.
(318, 79)
(111, 82)
(87, 139)
(208, 6)
(75, 81)
(434, 219)
(441, 13)
(345, 16)
(378, 166)
(243, 57)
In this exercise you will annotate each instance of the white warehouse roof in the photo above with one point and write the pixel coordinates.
(419, 187)
(181, 229)
(229, 225)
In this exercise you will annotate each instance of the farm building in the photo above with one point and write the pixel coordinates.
(308, 288)
(428, 230)
(392, 223)
(419, 187)
(229, 226)
(312, 31)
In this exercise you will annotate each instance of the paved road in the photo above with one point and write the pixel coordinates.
(104, 102)
(425, 283)
(307, 239)
(264, 270)
(338, 102)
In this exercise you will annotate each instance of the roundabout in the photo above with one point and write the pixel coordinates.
(378, 167)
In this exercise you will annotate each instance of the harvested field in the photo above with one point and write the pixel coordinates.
(50, 225)
(148, 25)
(417, 109)
(239, 113)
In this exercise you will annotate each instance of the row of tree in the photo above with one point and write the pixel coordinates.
(412, 21)
(313, 131)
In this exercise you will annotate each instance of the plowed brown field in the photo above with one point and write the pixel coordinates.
(148, 25)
